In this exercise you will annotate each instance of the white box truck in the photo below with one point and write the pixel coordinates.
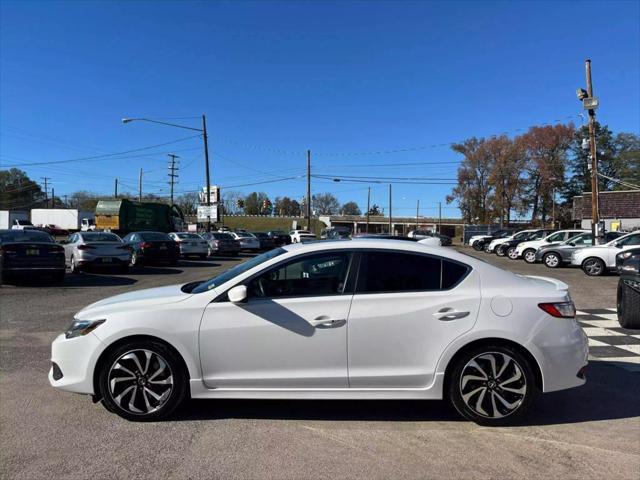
(8, 217)
(66, 218)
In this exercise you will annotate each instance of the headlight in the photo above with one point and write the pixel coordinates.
(625, 255)
(82, 327)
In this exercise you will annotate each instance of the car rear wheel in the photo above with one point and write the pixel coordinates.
(492, 385)
(75, 268)
(477, 246)
(512, 254)
(500, 251)
(593, 267)
(142, 381)
(135, 260)
(529, 255)
(628, 305)
(552, 260)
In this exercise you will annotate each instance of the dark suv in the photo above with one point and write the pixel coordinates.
(628, 265)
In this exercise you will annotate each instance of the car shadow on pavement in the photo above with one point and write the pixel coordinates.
(152, 270)
(611, 392)
(70, 280)
(198, 263)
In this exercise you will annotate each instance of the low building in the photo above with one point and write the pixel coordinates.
(620, 210)
(400, 225)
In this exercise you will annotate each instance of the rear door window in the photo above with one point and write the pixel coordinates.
(386, 272)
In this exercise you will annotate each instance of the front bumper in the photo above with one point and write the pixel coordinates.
(75, 359)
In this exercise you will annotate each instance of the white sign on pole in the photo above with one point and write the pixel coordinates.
(214, 190)
(205, 212)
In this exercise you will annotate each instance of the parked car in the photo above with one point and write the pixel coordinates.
(280, 238)
(275, 326)
(445, 240)
(628, 263)
(191, 244)
(555, 256)
(335, 233)
(266, 242)
(19, 224)
(30, 252)
(508, 248)
(96, 249)
(299, 236)
(490, 247)
(248, 242)
(598, 259)
(527, 249)
(478, 241)
(54, 230)
(221, 243)
(152, 247)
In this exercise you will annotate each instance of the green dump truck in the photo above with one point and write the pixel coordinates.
(123, 216)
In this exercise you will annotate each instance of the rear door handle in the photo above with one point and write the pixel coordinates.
(448, 313)
(325, 322)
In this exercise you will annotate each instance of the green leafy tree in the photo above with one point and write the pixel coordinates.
(18, 191)
(351, 208)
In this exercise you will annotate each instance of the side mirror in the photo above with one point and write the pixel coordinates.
(238, 294)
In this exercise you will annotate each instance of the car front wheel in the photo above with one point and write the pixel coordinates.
(512, 254)
(477, 246)
(500, 251)
(529, 256)
(142, 381)
(593, 267)
(628, 304)
(492, 385)
(552, 260)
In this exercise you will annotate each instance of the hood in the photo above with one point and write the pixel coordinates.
(136, 299)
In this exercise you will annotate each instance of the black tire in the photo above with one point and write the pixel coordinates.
(75, 269)
(500, 251)
(511, 253)
(552, 260)
(129, 393)
(628, 306)
(594, 267)
(478, 246)
(472, 407)
(529, 255)
(135, 261)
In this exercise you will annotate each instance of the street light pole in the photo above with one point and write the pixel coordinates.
(206, 168)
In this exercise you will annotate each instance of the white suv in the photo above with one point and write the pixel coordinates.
(527, 250)
(598, 259)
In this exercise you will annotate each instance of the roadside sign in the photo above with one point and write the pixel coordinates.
(590, 103)
(214, 190)
(205, 212)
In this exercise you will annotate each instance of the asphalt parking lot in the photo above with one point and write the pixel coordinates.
(589, 432)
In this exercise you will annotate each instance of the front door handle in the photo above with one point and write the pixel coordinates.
(448, 313)
(325, 322)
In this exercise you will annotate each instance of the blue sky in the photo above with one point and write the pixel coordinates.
(343, 79)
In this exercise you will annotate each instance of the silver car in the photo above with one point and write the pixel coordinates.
(85, 249)
(191, 244)
(248, 241)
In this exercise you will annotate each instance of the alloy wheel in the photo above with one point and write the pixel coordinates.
(551, 260)
(530, 256)
(140, 382)
(592, 267)
(493, 385)
(512, 253)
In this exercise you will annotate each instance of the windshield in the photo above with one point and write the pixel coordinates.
(101, 237)
(151, 236)
(25, 236)
(237, 270)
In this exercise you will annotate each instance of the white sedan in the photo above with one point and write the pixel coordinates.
(359, 319)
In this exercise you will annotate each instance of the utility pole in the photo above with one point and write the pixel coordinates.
(115, 192)
(439, 217)
(417, 213)
(206, 160)
(172, 173)
(590, 103)
(65, 201)
(53, 198)
(368, 208)
(140, 187)
(46, 190)
(390, 216)
(309, 190)
(595, 214)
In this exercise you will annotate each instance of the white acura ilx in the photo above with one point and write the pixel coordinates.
(350, 319)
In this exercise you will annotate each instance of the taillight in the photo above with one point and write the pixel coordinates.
(86, 247)
(144, 245)
(559, 310)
